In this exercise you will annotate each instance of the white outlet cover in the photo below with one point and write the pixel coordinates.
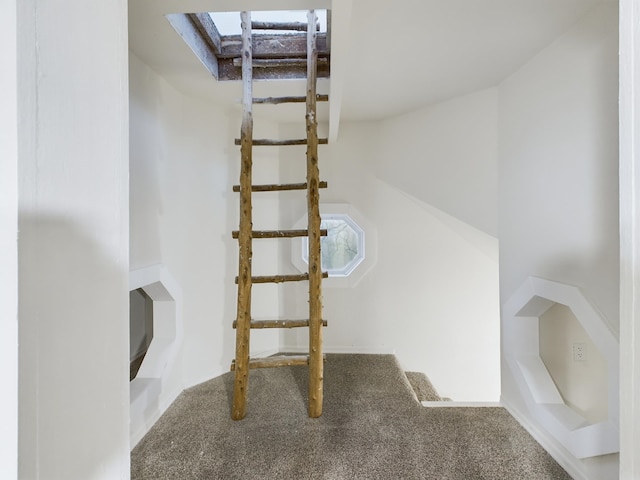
(579, 352)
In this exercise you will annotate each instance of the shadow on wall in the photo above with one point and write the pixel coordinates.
(74, 348)
(580, 270)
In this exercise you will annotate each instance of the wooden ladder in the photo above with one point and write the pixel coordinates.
(245, 235)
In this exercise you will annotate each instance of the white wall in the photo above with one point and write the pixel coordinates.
(432, 295)
(183, 166)
(558, 190)
(447, 155)
(73, 248)
(266, 206)
(630, 240)
(8, 239)
(558, 168)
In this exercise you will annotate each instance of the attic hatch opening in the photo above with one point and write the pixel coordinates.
(215, 38)
(228, 23)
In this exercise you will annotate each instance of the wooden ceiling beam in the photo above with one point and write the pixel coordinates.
(228, 71)
(297, 26)
(208, 30)
(272, 46)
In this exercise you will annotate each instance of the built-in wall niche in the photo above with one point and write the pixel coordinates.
(541, 309)
(157, 299)
(140, 328)
(575, 364)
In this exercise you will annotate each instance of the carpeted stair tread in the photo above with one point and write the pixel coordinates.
(371, 428)
(422, 386)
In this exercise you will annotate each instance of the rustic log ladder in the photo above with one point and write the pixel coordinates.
(245, 235)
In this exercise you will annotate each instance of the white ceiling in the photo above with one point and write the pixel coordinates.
(387, 57)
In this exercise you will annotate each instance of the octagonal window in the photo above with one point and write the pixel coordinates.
(342, 248)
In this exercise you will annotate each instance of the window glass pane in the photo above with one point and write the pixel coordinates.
(342, 249)
(340, 246)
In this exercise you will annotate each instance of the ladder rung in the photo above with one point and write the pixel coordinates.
(278, 100)
(277, 361)
(278, 323)
(297, 26)
(279, 187)
(278, 233)
(283, 278)
(265, 142)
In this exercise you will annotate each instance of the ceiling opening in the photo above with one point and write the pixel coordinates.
(228, 23)
(215, 38)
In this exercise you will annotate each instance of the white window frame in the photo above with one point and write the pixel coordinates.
(357, 260)
(369, 245)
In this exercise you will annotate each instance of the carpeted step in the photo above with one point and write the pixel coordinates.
(424, 389)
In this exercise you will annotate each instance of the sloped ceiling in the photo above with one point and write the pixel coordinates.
(388, 58)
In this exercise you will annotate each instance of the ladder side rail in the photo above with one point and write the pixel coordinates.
(245, 232)
(316, 366)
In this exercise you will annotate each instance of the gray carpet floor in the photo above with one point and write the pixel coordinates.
(372, 428)
(423, 388)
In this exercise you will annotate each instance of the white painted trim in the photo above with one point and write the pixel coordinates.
(151, 391)
(340, 39)
(629, 240)
(186, 6)
(143, 428)
(265, 353)
(445, 404)
(521, 314)
(342, 349)
(205, 378)
(567, 461)
(187, 30)
(9, 238)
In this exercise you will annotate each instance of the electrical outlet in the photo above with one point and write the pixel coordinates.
(579, 352)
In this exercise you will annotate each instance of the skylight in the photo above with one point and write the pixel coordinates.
(215, 38)
(228, 23)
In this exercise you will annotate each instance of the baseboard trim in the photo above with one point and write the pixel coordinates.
(347, 349)
(451, 404)
(143, 429)
(266, 353)
(551, 445)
